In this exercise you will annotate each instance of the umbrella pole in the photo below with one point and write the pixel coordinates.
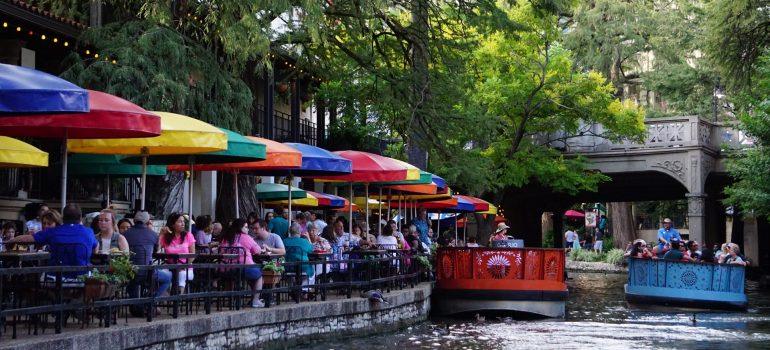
(192, 179)
(64, 173)
(350, 209)
(465, 227)
(366, 189)
(237, 200)
(144, 179)
(108, 189)
(390, 191)
(456, 242)
(438, 224)
(290, 216)
(399, 213)
(379, 215)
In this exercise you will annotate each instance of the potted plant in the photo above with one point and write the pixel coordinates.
(272, 271)
(100, 285)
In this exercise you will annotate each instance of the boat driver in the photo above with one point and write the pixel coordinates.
(667, 233)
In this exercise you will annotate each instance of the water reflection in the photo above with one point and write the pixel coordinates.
(597, 317)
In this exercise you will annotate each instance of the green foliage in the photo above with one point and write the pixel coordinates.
(736, 34)
(274, 265)
(548, 239)
(614, 256)
(586, 255)
(659, 50)
(424, 262)
(77, 10)
(160, 69)
(120, 271)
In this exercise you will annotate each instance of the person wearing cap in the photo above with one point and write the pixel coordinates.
(667, 233)
(142, 241)
(501, 233)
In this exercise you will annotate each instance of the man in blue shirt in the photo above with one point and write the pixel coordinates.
(70, 244)
(667, 233)
(421, 223)
(279, 225)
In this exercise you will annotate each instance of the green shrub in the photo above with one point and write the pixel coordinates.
(614, 256)
(548, 239)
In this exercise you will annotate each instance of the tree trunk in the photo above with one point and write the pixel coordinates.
(623, 230)
(421, 83)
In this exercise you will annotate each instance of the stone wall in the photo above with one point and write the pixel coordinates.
(277, 327)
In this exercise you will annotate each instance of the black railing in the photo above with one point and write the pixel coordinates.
(282, 127)
(29, 298)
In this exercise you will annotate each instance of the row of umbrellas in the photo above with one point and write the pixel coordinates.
(115, 137)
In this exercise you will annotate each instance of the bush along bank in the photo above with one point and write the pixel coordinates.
(589, 261)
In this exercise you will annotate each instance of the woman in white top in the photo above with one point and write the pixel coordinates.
(386, 239)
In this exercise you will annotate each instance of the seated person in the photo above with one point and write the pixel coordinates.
(70, 244)
(236, 235)
(692, 253)
(386, 240)
(734, 256)
(707, 254)
(319, 243)
(675, 253)
(142, 241)
(174, 239)
(297, 249)
(269, 242)
(639, 250)
(472, 242)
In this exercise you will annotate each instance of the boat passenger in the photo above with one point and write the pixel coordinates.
(707, 255)
(675, 253)
(472, 243)
(734, 257)
(639, 250)
(692, 253)
(722, 254)
(667, 233)
(501, 233)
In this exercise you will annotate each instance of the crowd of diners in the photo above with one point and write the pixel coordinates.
(102, 233)
(670, 246)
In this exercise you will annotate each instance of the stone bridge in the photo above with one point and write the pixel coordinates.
(688, 150)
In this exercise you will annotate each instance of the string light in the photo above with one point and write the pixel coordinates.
(66, 44)
(88, 52)
(96, 55)
(42, 37)
(5, 24)
(18, 29)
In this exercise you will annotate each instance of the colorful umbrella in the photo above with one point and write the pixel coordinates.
(439, 181)
(309, 201)
(328, 200)
(18, 154)
(108, 166)
(239, 149)
(25, 90)
(268, 191)
(109, 117)
(574, 214)
(179, 134)
(278, 157)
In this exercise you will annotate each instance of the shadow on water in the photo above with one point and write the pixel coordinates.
(597, 317)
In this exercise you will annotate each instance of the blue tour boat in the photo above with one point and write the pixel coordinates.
(686, 284)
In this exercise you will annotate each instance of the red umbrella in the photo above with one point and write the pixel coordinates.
(110, 117)
(478, 204)
(574, 214)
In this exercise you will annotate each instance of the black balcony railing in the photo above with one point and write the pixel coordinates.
(282, 127)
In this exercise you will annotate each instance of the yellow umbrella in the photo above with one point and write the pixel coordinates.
(309, 201)
(179, 135)
(371, 203)
(18, 154)
(492, 210)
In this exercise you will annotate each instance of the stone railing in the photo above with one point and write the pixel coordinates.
(662, 133)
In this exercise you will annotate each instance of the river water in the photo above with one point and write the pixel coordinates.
(597, 317)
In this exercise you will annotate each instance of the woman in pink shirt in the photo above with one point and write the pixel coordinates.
(237, 236)
(175, 240)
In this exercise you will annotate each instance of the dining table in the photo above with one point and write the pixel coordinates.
(21, 258)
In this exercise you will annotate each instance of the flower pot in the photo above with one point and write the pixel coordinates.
(270, 278)
(96, 289)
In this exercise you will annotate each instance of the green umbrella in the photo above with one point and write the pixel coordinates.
(104, 164)
(278, 192)
(107, 165)
(239, 149)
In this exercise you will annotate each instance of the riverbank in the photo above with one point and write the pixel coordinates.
(599, 267)
(276, 327)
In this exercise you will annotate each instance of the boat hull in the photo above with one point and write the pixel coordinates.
(686, 284)
(540, 304)
(500, 280)
(675, 297)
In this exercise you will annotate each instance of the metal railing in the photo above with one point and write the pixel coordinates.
(28, 298)
(282, 127)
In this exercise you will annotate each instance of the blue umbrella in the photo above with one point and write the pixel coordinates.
(439, 181)
(25, 90)
(315, 161)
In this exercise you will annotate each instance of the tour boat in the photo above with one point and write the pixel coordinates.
(509, 280)
(686, 284)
